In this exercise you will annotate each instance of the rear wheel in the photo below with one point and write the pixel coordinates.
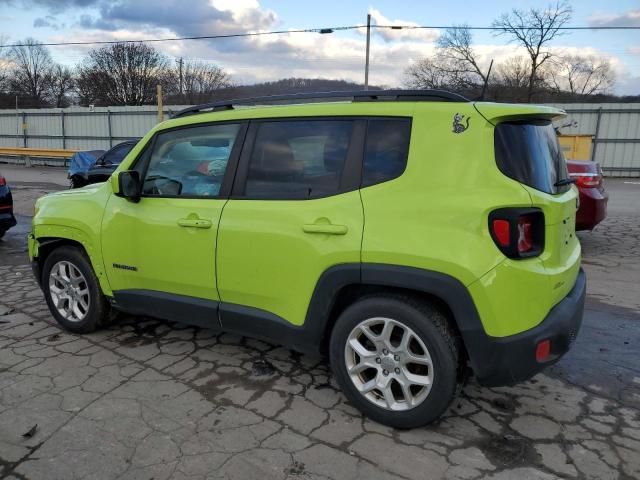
(72, 291)
(396, 359)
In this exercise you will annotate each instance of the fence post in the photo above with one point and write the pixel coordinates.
(595, 138)
(64, 138)
(109, 128)
(27, 158)
(24, 129)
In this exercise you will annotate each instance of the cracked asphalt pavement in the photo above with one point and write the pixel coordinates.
(149, 399)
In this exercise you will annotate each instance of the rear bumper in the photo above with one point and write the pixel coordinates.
(593, 208)
(508, 360)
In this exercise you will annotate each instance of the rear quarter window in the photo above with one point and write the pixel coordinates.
(386, 150)
(529, 152)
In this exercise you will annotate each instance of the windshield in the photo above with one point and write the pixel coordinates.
(529, 152)
(117, 154)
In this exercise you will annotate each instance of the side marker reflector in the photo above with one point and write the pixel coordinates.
(543, 351)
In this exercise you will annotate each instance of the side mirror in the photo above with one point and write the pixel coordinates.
(129, 185)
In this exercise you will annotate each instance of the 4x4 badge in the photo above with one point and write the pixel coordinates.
(458, 127)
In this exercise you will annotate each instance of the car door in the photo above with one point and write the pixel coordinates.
(160, 252)
(295, 211)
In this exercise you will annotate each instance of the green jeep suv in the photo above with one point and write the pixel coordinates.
(411, 236)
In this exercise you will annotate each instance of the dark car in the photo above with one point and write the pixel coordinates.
(593, 196)
(7, 220)
(85, 172)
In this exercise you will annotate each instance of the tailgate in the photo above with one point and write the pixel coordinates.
(561, 255)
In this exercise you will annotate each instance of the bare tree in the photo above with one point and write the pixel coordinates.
(59, 84)
(4, 65)
(534, 29)
(121, 74)
(31, 65)
(514, 72)
(581, 75)
(196, 80)
(425, 73)
(455, 50)
(435, 72)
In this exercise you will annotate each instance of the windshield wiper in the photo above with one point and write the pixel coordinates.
(564, 181)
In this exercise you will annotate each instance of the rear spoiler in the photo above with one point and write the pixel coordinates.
(499, 112)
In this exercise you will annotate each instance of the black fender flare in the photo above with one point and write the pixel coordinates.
(446, 288)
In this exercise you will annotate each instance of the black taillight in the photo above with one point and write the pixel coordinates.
(518, 232)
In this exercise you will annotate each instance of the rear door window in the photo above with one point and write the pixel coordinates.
(298, 159)
(529, 152)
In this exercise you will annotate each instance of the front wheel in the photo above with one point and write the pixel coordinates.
(77, 181)
(72, 291)
(396, 359)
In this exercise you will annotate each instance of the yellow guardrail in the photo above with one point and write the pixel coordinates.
(36, 152)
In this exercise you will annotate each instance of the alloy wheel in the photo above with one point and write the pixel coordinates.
(389, 364)
(69, 291)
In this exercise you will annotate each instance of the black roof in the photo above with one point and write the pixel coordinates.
(355, 96)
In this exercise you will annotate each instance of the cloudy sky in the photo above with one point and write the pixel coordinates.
(339, 55)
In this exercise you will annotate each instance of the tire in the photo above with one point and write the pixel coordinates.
(2, 232)
(429, 339)
(76, 181)
(81, 307)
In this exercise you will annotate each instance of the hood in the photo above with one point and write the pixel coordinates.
(87, 189)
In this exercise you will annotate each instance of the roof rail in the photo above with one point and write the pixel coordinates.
(355, 96)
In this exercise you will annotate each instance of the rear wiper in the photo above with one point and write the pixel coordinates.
(564, 181)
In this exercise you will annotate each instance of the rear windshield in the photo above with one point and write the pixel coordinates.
(528, 151)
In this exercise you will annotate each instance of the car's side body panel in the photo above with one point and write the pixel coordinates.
(267, 261)
(143, 247)
(76, 216)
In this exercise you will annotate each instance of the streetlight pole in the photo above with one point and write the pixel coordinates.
(180, 63)
(366, 65)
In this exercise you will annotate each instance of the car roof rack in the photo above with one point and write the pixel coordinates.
(354, 96)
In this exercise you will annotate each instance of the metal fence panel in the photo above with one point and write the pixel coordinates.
(615, 128)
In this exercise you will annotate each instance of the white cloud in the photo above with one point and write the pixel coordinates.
(630, 18)
(261, 58)
(389, 35)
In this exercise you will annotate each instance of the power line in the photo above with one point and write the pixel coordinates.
(308, 30)
(466, 27)
(200, 37)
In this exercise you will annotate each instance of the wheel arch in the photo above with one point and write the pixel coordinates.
(340, 286)
(47, 243)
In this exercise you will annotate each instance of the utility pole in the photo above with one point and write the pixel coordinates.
(160, 109)
(366, 65)
(180, 63)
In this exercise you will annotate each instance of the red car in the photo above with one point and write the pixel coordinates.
(593, 196)
(7, 220)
